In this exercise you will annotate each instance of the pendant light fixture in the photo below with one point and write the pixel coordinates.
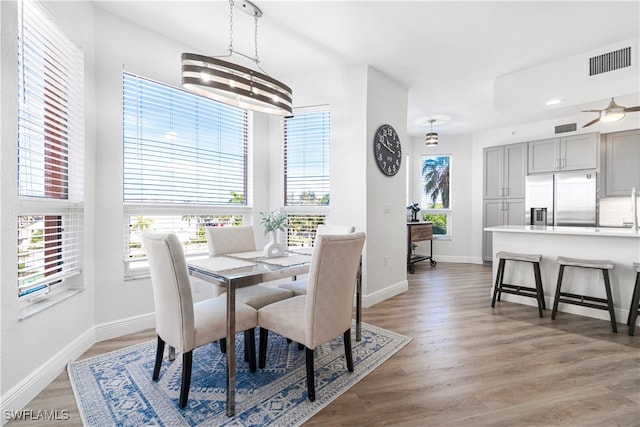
(234, 84)
(431, 139)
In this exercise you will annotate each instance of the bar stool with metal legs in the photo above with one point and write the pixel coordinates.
(585, 300)
(525, 291)
(635, 301)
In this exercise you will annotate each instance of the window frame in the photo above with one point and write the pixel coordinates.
(317, 213)
(424, 211)
(50, 158)
(179, 212)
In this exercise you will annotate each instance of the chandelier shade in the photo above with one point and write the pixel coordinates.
(235, 85)
(431, 139)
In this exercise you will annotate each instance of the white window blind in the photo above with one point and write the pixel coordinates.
(188, 228)
(181, 148)
(306, 158)
(301, 229)
(50, 152)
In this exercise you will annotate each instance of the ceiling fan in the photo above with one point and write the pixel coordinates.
(612, 113)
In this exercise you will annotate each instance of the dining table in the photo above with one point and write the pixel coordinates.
(237, 270)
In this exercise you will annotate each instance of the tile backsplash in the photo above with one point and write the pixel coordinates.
(614, 211)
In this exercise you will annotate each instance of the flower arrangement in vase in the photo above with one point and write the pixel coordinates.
(271, 223)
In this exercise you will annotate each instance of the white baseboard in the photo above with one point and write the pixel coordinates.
(390, 291)
(23, 392)
(457, 259)
(121, 327)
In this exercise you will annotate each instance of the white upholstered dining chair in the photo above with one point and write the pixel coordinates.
(179, 322)
(236, 239)
(325, 311)
(299, 286)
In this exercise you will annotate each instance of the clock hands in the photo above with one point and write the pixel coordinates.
(387, 146)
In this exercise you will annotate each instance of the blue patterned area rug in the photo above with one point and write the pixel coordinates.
(116, 388)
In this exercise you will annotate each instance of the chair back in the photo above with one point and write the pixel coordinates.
(331, 284)
(334, 229)
(230, 239)
(171, 289)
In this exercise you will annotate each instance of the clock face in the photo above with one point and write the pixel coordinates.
(387, 150)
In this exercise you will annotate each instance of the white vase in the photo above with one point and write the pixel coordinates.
(273, 249)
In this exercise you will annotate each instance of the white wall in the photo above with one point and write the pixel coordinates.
(459, 248)
(386, 262)
(360, 100)
(35, 350)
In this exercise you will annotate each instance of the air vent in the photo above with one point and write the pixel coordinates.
(571, 127)
(610, 61)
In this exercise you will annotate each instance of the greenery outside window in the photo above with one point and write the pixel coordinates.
(435, 184)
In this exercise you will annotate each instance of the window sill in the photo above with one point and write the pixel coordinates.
(37, 307)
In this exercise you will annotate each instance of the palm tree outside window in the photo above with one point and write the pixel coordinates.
(435, 184)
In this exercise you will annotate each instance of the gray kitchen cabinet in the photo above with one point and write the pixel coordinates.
(574, 152)
(622, 162)
(499, 212)
(505, 169)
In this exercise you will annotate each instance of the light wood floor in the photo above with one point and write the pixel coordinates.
(468, 364)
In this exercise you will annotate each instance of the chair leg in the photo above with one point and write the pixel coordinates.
(498, 283)
(223, 345)
(347, 349)
(246, 347)
(300, 347)
(633, 311)
(556, 300)
(539, 291)
(311, 386)
(262, 352)
(607, 288)
(250, 348)
(187, 358)
(159, 354)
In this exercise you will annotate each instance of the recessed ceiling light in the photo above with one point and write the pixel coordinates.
(554, 101)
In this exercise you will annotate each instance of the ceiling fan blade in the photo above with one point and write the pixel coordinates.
(592, 111)
(592, 122)
(630, 109)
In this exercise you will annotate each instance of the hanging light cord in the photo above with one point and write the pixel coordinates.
(255, 58)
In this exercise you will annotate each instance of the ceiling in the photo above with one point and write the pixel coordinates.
(447, 54)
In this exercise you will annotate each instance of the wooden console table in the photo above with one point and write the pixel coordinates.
(419, 232)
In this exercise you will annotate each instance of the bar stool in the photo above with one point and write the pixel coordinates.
(585, 300)
(525, 291)
(635, 301)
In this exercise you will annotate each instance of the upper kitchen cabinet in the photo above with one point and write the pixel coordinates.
(622, 162)
(505, 169)
(563, 154)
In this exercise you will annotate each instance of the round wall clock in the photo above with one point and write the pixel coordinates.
(387, 150)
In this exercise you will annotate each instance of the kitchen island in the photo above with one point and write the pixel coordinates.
(619, 245)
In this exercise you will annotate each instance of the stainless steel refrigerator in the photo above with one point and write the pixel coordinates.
(569, 197)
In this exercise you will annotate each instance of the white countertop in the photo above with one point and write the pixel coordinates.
(579, 231)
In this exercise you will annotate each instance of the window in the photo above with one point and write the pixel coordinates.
(184, 162)
(306, 159)
(306, 173)
(435, 184)
(50, 155)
